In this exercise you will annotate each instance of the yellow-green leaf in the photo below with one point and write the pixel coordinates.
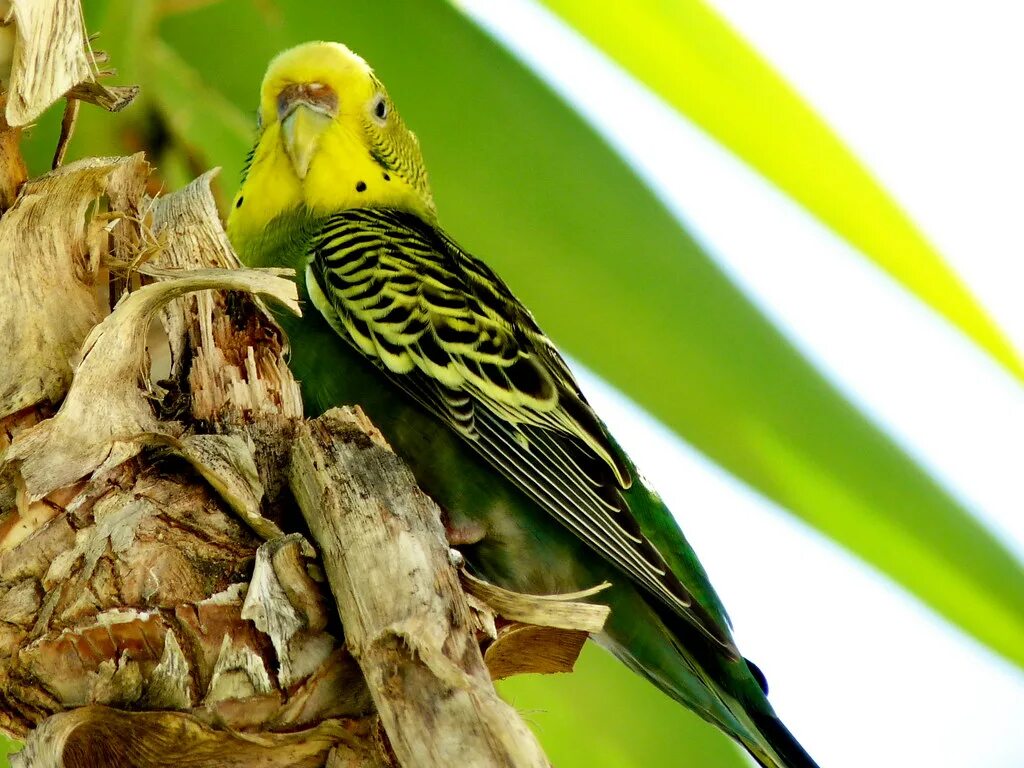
(686, 53)
(581, 724)
(202, 121)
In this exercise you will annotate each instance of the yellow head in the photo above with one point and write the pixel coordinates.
(329, 139)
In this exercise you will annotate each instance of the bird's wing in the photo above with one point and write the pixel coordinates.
(449, 332)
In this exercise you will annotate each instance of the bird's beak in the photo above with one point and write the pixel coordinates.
(305, 110)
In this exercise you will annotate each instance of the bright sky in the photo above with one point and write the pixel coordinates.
(928, 95)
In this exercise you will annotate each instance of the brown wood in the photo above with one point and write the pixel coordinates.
(406, 619)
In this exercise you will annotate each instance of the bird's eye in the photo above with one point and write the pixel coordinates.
(380, 109)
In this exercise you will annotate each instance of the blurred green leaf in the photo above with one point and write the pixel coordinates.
(691, 57)
(523, 182)
(7, 746)
(584, 712)
(200, 118)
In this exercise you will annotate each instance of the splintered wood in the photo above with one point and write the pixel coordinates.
(125, 566)
(406, 621)
(232, 384)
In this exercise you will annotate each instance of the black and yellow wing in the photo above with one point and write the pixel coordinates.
(442, 326)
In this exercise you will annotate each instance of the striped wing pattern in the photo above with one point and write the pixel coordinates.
(449, 332)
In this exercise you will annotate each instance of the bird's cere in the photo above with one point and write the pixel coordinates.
(315, 96)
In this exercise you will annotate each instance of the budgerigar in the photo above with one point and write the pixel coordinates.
(463, 383)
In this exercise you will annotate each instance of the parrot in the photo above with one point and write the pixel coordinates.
(536, 494)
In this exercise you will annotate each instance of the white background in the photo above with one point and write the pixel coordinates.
(929, 95)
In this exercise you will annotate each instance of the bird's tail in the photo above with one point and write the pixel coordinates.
(727, 692)
(785, 750)
(766, 738)
(744, 711)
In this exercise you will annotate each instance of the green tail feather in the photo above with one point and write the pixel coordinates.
(785, 746)
(686, 666)
(684, 662)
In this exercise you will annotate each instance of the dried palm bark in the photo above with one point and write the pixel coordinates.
(161, 598)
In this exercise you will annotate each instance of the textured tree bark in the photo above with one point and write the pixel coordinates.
(406, 619)
(132, 572)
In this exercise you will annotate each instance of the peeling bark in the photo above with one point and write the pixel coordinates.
(98, 736)
(51, 245)
(406, 620)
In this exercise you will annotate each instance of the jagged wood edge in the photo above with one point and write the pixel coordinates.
(406, 618)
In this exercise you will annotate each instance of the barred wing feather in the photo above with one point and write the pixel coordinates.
(448, 331)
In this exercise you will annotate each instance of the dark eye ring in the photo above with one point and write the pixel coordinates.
(381, 109)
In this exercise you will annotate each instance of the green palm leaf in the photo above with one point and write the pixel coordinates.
(694, 60)
(579, 728)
